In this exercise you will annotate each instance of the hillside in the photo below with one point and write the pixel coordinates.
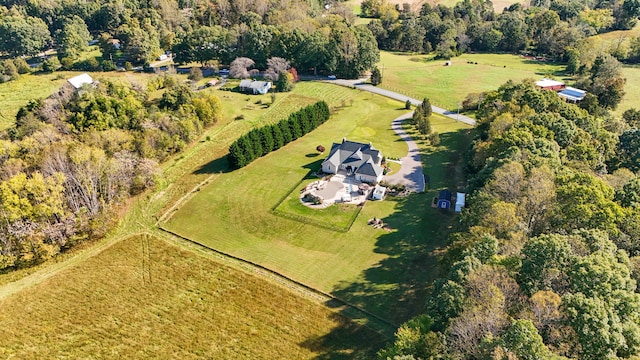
(145, 298)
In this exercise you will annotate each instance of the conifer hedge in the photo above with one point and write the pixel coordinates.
(261, 141)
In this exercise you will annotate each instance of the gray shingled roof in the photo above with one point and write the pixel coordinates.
(357, 154)
(369, 169)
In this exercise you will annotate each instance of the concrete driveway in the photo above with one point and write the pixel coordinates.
(410, 173)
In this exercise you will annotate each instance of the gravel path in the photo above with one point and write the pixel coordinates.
(410, 173)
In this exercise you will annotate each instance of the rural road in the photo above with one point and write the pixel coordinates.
(410, 173)
(394, 95)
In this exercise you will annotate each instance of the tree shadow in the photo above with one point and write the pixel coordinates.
(395, 289)
(314, 166)
(347, 341)
(312, 155)
(217, 166)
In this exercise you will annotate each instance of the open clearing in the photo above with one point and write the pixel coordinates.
(16, 94)
(419, 76)
(143, 298)
(386, 273)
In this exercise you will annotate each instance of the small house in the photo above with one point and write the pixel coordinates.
(115, 43)
(378, 192)
(460, 201)
(572, 95)
(255, 87)
(79, 81)
(444, 199)
(548, 84)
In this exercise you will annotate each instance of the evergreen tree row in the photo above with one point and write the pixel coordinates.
(261, 141)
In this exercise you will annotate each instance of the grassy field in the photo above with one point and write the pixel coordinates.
(384, 272)
(15, 94)
(143, 298)
(419, 76)
(632, 89)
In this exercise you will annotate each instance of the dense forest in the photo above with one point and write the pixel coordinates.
(311, 36)
(545, 262)
(74, 157)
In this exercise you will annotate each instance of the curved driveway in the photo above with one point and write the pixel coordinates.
(410, 173)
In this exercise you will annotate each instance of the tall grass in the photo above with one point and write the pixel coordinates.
(143, 298)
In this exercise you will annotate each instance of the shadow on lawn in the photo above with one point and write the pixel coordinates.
(396, 288)
(219, 165)
(347, 341)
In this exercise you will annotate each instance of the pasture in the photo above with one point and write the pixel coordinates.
(144, 298)
(15, 94)
(383, 272)
(420, 76)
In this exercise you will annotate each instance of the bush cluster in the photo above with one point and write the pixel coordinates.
(259, 142)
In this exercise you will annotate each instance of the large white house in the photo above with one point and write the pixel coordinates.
(358, 159)
(254, 86)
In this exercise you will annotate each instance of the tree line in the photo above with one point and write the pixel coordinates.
(547, 27)
(74, 157)
(261, 141)
(313, 37)
(545, 261)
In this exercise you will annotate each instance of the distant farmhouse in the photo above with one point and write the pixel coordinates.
(548, 84)
(255, 87)
(81, 80)
(568, 93)
(572, 94)
(358, 159)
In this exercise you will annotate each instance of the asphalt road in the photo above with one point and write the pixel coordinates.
(410, 173)
(394, 95)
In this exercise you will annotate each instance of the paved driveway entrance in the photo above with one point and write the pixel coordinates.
(410, 173)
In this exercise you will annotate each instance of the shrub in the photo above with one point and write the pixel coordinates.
(195, 74)
(434, 138)
(108, 65)
(51, 64)
(320, 148)
(21, 65)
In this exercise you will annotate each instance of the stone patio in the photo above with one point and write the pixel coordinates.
(334, 191)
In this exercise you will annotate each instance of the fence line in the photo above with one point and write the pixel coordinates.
(309, 221)
(379, 324)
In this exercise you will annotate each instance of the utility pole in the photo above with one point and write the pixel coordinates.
(458, 116)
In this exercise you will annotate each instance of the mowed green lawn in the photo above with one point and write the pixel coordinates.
(631, 88)
(384, 272)
(419, 76)
(143, 298)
